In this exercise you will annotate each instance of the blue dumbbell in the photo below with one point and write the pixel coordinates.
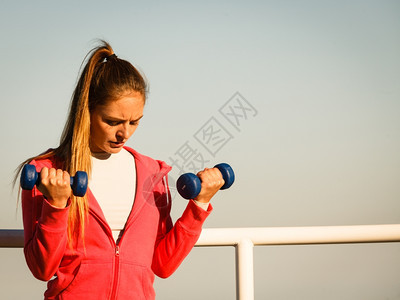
(189, 185)
(30, 177)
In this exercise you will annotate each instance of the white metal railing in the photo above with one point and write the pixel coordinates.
(244, 239)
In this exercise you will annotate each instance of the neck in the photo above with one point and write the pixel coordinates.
(101, 155)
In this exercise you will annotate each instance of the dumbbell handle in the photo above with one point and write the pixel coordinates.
(189, 185)
(30, 177)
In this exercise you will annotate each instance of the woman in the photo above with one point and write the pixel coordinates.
(109, 243)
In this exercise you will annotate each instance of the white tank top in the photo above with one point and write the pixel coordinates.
(113, 184)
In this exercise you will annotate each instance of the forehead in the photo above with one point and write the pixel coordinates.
(126, 107)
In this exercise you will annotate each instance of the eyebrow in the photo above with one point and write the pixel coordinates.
(116, 119)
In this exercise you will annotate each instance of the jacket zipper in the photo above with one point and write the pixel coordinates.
(116, 258)
(116, 272)
(117, 249)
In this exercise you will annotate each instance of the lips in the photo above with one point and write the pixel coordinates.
(117, 144)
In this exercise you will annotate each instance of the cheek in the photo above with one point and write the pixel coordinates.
(98, 133)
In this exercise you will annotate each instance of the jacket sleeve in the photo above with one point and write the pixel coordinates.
(174, 243)
(45, 234)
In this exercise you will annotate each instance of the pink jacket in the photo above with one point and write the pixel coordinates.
(100, 269)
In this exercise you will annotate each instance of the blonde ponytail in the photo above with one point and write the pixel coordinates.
(101, 81)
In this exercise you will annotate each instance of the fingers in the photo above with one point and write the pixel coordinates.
(66, 177)
(211, 182)
(54, 177)
(211, 178)
(55, 186)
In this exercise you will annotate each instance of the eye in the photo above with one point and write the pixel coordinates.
(134, 123)
(111, 123)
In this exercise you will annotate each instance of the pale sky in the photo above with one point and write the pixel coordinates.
(315, 142)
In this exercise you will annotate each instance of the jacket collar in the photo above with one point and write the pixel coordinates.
(149, 173)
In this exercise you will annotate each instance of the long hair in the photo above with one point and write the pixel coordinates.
(104, 78)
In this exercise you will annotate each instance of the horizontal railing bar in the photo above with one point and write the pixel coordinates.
(301, 235)
(245, 238)
(11, 238)
(14, 238)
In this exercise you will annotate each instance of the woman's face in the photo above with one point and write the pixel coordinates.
(111, 125)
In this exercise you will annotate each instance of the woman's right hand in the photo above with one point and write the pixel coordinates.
(55, 186)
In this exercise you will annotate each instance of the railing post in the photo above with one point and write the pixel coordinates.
(244, 270)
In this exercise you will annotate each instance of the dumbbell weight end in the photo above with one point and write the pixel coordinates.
(188, 186)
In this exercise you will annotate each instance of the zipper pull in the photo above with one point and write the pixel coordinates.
(117, 250)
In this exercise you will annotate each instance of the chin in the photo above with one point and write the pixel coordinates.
(114, 150)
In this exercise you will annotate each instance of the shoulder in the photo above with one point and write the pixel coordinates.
(46, 160)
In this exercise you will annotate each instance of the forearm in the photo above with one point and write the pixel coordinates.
(172, 249)
(45, 230)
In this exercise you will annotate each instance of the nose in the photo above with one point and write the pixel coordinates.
(123, 132)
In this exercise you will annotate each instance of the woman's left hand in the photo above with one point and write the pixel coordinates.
(211, 182)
